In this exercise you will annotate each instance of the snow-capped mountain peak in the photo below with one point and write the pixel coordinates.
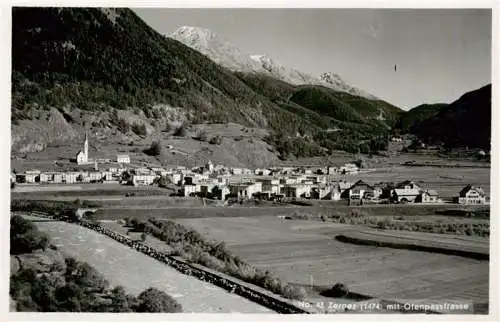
(228, 55)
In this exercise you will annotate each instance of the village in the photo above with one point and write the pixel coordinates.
(217, 181)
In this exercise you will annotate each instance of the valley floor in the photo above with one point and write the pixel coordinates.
(304, 252)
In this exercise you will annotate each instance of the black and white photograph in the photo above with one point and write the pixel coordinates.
(250, 160)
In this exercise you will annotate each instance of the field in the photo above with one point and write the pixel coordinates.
(136, 272)
(301, 252)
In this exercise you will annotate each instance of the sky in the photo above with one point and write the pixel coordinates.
(440, 54)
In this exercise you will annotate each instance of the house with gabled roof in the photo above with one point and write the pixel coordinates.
(360, 190)
(472, 195)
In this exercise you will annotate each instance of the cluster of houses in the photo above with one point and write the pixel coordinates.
(217, 181)
(220, 182)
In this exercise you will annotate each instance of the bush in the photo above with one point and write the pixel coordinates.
(201, 136)
(25, 237)
(294, 292)
(181, 130)
(216, 140)
(339, 290)
(154, 149)
(140, 129)
(123, 126)
(153, 300)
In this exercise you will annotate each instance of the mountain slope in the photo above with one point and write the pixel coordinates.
(82, 67)
(418, 114)
(103, 59)
(229, 56)
(464, 123)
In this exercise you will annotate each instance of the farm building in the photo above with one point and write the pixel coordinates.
(122, 158)
(408, 185)
(95, 176)
(406, 191)
(223, 192)
(209, 166)
(296, 190)
(175, 178)
(32, 176)
(236, 171)
(360, 190)
(331, 170)
(262, 172)
(306, 171)
(143, 180)
(318, 179)
(189, 190)
(70, 177)
(271, 186)
(377, 191)
(405, 195)
(206, 187)
(58, 177)
(428, 196)
(246, 190)
(471, 195)
(326, 192)
(46, 177)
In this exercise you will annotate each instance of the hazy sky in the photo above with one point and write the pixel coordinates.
(440, 54)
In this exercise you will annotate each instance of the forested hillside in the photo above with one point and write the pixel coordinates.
(464, 123)
(102, 60)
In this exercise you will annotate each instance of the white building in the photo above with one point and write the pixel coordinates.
(122, 158)
(189, 190)
(143, 179)
(296, 190)
(428, 196)
(70, 177)
(175, 178)
(82, 157)
(331, 170)
(270, 186)
(471, 195)
(245, 190)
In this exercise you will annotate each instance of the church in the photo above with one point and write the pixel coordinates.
(82, 157)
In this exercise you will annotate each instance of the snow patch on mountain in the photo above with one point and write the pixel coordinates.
(228, 55)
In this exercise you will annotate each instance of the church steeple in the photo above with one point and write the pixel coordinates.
(86, 146)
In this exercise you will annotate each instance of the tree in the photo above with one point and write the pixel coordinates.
(216, 192)
(162, 182)
(181, 130)
(140, 129)
(216, 140)
(25, 237)
(120, 300)
(123, 125)
(154, 149)
(153, 300)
